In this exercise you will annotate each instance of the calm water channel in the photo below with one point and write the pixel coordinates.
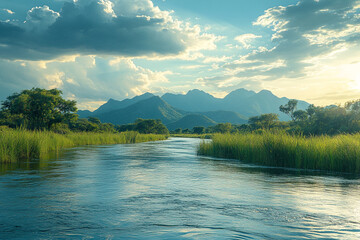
(162, 190)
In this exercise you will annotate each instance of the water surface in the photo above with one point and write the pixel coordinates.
(162, 190)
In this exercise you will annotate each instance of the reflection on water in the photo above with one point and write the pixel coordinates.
(162, 190)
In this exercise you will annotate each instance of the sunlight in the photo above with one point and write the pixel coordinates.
(351, 72)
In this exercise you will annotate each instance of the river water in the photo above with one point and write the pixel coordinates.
(163, 190)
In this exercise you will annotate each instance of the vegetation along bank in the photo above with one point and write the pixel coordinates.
(340, 153)
(16, 144)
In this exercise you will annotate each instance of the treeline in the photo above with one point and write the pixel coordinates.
(41, 109)
(330, 120)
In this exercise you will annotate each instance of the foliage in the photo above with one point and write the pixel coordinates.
(289, 108)
(199, 130)
(264, 121)
(300, 115)
(178, 131)
(91, 125)
(37, 109)
(145, 126)
(23, 144)
(220, 128)
(192, 135)
(340, 153)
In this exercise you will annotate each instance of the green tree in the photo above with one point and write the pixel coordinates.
(222, 127)
(353, 106)
(267, 120)
(150, 126)
(83, 125)
(300, 115)
(94, 120)
(199, 130)
(178, 131)
(289, 108)
(38, 108)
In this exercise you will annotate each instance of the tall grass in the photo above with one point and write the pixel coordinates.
(23, 144)
(188, 135)
(339, 153)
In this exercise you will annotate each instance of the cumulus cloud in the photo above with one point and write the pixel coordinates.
(40, 18)
(90, 80)
(301, 35)
(100, 27)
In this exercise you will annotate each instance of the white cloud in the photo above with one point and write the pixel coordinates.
(86, 79)
(40, 18)
(216, 59)
(8, 11)
(246, 39)
(124, 28)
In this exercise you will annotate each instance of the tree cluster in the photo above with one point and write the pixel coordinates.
(41, 109)
(145, 126)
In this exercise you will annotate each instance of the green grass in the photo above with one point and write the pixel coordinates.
(22, 144)
(339, 153)
(186, 135)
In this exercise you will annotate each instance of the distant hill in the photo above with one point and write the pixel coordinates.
(190, 121)
(194, 101)
(114, 105)
(242, 101)
(226, 116)
(196, 108)
(84, 113)
(151, 108)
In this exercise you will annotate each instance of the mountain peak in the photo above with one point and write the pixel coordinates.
(111, 100)
(147, 94)
(266, 92)
(240, 93)
(196, 91)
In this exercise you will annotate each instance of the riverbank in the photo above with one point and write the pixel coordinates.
(340, 153)
(24, 144)
(185, 135)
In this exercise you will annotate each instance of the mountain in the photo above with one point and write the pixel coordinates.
(190, 121)
(241, 101)
(194, 101)
(114, 105)
(84, 113)
(151, 108)
(239, 95)
(196, 108)
(226, 116)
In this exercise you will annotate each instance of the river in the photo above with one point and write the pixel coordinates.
(163, 190)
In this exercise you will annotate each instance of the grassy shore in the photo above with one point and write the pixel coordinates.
(23, 144)
(340, 153)
(185, 135)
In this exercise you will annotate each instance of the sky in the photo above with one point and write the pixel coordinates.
(94, 50)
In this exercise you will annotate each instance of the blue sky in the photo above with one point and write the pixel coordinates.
(99, 49)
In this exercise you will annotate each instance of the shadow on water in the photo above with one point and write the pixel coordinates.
(234, 165)
(31, 164)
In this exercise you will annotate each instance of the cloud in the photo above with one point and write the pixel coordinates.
(100, 27)
(302, 34)
(40, 18)
(88, 79)
(8, 11)
(245, 39)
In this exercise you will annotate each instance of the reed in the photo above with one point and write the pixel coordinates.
(339, 153)
(188, 135)
(22, 144)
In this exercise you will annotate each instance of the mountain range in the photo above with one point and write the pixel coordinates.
(196, 108)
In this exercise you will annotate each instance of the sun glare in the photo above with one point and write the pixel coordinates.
(351, 72)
